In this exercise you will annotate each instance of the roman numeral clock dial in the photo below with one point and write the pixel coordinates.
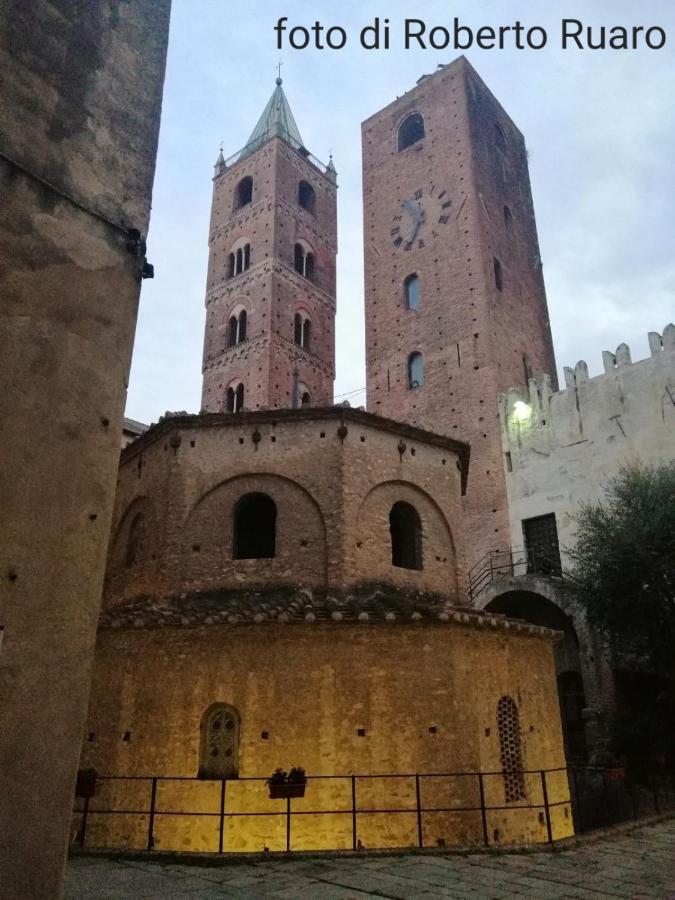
(419, 215)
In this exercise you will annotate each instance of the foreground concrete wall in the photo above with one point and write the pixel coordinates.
(336, 698)
(82, 87)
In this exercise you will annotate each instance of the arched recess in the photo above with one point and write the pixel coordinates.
(300, 552)
(540, 610)
(372, 527)
(133, 550)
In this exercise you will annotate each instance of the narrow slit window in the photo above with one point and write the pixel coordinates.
(411, 288)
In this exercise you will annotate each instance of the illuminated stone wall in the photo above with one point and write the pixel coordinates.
(375, 697)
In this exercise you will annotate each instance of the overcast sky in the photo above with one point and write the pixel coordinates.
(599, 126)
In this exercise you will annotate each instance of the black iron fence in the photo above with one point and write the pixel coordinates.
(608, 796)
(474, 812)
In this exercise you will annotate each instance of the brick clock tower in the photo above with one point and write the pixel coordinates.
(270, 296)
(454, 293)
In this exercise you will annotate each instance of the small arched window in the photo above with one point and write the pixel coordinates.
(219, 742)
(307, 197)
(235, 398)
(415, 370)
(499, 278)
(236, 329)
(510, 749)
(508, 217)
(411, 289)
(500, 138)
(305, 399)
(239, 260)
(255, 527)
(304, 261)
(302, 328)
(243, 193)
(411, 130)
(405, 528)
(135, 540)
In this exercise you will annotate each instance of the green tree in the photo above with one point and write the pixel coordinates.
(624, 563)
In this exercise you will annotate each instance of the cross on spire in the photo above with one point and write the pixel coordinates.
(279, 65)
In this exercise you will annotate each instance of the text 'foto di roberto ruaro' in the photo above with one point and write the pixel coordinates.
(418, 34)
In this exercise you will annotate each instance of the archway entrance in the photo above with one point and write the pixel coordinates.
(538, 610)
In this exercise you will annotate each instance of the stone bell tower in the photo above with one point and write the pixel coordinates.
(454, 293)
(269, 340)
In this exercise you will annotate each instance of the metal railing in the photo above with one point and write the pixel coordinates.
(479, 789)
(596, 797)
(510, 562)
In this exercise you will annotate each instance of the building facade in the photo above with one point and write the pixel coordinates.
(296, 590)
(454, 294)
(560, 449)
(269, 340)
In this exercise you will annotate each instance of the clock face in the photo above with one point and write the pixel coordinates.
(421, 217)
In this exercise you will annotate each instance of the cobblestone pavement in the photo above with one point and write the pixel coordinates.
(636, 864)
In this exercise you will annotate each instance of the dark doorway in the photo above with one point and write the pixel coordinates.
(405, 528)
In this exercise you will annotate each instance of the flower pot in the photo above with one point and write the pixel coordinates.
(282, 791)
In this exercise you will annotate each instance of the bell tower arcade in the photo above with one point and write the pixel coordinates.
(454, 293)
(269, 339)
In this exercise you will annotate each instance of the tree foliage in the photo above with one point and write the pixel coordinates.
(624, 563)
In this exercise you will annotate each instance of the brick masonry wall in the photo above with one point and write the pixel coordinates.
(333, 496)
(270, 291)
(473, 337)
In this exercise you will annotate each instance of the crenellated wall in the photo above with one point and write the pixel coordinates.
(561, 448)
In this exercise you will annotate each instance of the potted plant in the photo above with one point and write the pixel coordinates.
(283, 785)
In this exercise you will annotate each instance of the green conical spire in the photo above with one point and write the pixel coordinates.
(276, 121)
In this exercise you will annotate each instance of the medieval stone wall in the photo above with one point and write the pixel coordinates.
(561, 448)
(79, 120)
(333, 490)
(335, 698)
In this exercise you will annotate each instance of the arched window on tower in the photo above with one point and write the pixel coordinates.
(239, 260)
(307, 197)
(135, 540)
(411, 288)
(510, 750)
(236, 329)
(411, 130)
(219, 742)
(243, 193)
(304, 261)
(255, 527)
(415, 370)
(405, 528)
(305, 398)
(302, 330)
(235, 398)
(508, 217)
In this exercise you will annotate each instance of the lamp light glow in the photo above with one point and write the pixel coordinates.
(522, 411)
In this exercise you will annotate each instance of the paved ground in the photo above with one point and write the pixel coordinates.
(637, 864)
